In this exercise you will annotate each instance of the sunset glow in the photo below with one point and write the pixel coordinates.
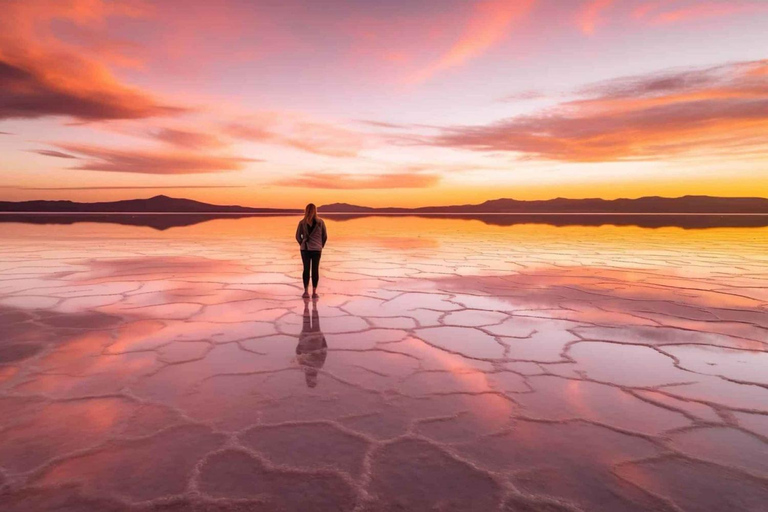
(396, 103)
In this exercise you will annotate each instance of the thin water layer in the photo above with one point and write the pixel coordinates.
(449, 364)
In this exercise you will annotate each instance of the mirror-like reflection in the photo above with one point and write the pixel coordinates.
(312, 348)
(167, 221)
(474, 367)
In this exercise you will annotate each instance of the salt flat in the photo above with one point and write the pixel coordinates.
(449, 364)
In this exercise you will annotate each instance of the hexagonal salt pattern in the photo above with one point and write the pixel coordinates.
(449, 365)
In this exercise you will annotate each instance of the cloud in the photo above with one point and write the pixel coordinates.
(145, 162)
(188, 139)
(297, 132)
(637, 118)
(590, 16)
(55, 154)
(153, 187)
(43, 75)
(523, 96)
(354, 182)
(71, 87)
(668, 12)
(487, 26)
(735, 80)
(383, 124)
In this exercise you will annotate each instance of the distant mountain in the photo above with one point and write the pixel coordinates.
(643, 205)
(348, 208)
(164, 221)
(157, 204)
(686, 204)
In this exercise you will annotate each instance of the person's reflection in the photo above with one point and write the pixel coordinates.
(312, 348)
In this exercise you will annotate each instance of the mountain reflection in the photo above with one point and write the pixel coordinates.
(164, 221)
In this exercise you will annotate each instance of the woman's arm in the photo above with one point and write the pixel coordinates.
(298, 233)
(325, 234)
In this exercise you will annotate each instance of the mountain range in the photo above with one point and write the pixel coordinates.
(157, 204)
(643, 205)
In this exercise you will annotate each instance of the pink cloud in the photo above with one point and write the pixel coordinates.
(297, 132)
(674, 11)
(151, 162)
(638, 118)
(488, 25)
(590, 16)
(188, 139)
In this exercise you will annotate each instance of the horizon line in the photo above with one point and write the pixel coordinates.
(404, 214)
(383, 207)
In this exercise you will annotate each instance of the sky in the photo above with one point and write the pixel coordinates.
(276, 103)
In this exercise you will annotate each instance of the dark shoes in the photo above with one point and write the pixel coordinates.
(314, 294)
(305, 294)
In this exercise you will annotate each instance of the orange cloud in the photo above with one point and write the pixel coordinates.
(146, 162)
(42, 75)
(355, 182)
(70, 86)
(639, 118)
(590, 15)
(488, 25)
(299, 133)
(760, 69)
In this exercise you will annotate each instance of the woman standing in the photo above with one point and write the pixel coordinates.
(311, 235)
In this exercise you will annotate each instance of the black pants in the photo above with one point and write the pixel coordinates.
(313, 257)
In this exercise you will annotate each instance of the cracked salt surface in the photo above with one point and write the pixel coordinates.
(449, 365)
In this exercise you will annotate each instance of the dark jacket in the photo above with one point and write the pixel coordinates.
(311, 239)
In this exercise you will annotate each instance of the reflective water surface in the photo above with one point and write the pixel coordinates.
(450, 364)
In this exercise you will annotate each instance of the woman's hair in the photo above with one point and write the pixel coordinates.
(310, 213)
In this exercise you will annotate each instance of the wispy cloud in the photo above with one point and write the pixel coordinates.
(338, 181)
(151, 162)
(523, 96)
(384, 124)
(672, 11)
(297, 132)
(50, 152)
(154, 187)
(488, 25)
(734, 80)
(591, 15)
(188, 139)
(638, 118)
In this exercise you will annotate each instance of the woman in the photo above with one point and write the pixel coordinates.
(311, 235)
